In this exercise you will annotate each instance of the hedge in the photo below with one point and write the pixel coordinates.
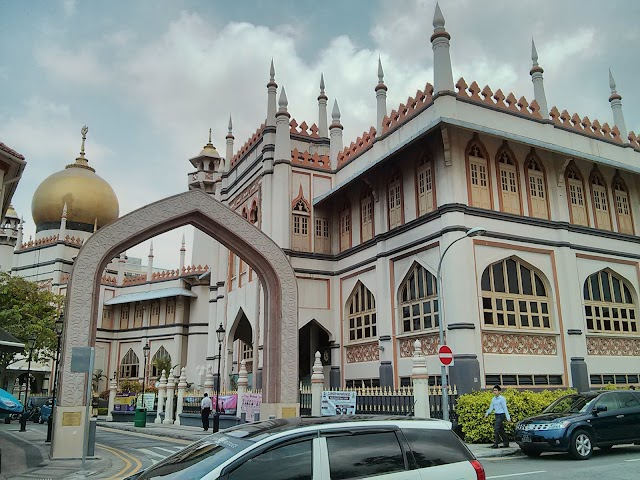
(471, 408)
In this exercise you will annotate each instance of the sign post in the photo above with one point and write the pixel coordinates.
(445, 355)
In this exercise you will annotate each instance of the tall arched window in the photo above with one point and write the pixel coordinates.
(478, 172)
(514, 296)
(129, 365)
(159, 361)
(536, 186)
(608, 304)
(361, 314)
(623, 206)
(345, 227)
(575, 192)
(509, 180)
(366, 215)
(395, 200)
(419, 300)
(600, 200)
(253, 214)
(245, 215)
(425, 186)
(301, 216)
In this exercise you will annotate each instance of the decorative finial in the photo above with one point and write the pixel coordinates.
(282, 101)
(151, 248)
(84, 132)
(183, 239)
(95, 225)
(534, 53)
(438, 19)
(64, 210)
(209, 136)
(322, 83)
(272, 72)
(380, 71)
(335, 113)
(612, 82)
(230, 124)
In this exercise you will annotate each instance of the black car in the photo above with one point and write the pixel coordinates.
(577, 423)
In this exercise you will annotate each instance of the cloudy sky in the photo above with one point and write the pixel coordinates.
(150, 78)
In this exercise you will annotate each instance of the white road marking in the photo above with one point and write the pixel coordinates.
(517, 474)
(169, 450)
(634, 460)
(151, 453)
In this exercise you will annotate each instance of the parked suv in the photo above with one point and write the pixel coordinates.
(325, 448)
(578, 423)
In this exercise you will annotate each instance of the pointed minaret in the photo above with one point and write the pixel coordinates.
(95, 225)
(272, 91)
(20, 234)
(442, 73)
(381, 98)
(336, 135)
(538, 84)
(122, 260)
(63, 223)
(323, 131)
(150, 262)
(183, 251)
(616, 107)
(229, 153)
(283, 135)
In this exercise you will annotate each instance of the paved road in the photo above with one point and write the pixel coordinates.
(621, 463)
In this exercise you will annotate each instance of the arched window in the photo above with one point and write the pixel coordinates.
(425, 185)
(575, 192)
(478, 172)
(537, 187)
(395, 201)
(600, 200)
(345, 227)
(160, 360)
(514, 296)
(608, 304)
(366, 218)
(509, 180)
(253, 214)
(301, 216)
(623, 207)
(361, 314)
(129, 365)
(245, 215)
(419, 300)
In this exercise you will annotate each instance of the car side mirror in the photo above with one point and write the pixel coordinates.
(600, 408)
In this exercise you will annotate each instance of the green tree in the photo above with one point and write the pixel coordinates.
(26, 311)
(97, 376)
(163, 363)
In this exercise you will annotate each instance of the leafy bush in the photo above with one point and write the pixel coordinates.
(131, 386)
(471, 409)
(103, 411)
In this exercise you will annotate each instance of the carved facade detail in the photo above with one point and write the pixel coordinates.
(429, 345)
(368, 352)
(518, 344)
(616, 347)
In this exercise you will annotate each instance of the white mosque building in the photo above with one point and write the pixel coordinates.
(547, 296)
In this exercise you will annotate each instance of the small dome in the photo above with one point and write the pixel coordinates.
(11, 212)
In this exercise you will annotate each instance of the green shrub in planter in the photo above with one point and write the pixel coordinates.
(103, 411)
(471, 409)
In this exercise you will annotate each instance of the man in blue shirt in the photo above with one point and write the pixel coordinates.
(499, 406)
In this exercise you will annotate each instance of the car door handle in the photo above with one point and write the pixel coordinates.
(619, 416)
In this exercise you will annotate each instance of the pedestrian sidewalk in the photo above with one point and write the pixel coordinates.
(196, 433)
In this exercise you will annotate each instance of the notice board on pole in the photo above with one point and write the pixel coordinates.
(338, 403)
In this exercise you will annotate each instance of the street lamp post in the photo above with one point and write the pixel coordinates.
(58, 326)
(145, 351)
(472, 232)
(216, 417)
(23, 418)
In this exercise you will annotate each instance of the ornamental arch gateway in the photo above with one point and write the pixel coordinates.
(196, 208)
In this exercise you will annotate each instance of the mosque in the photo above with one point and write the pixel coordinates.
(547, 295)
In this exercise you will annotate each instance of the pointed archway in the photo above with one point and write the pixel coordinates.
(196, 208)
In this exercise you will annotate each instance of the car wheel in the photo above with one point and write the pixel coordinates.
(581, 445)
(531, 452)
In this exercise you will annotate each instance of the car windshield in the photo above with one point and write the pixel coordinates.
(569, 404)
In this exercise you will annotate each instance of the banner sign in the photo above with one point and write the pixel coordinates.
(251, 404)
(228, 404)
(124, 402)
(338, 403)
(148, 402)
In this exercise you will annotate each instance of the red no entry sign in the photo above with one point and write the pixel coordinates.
(445, 354)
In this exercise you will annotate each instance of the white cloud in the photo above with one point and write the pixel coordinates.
(75, 67)
(69, 7)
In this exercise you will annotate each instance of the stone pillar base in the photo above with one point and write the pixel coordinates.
(386, 374)
(465, 373)
(579, 374)
(279, 410)
(68, 432)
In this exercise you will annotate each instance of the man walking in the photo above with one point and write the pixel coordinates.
(499, 406)
(205, 409)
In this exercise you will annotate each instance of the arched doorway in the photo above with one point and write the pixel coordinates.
(311, 339)
(241, 337)
(196, 208)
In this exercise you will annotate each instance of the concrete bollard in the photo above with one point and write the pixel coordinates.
(243, 381)
(162, 389)
(113, 389)
(317, 386)
(420, 378)
(182, 386)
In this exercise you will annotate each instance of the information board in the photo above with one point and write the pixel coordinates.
(338, 403)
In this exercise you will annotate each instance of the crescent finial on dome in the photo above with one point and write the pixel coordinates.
(84, 130)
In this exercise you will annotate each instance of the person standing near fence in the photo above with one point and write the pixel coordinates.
(499, 407)
(205, 410)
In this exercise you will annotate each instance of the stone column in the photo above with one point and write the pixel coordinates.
(171, 386)
(243, 381)
(182, 386)
(335, 380)
(208, 382)
(420, 378)
(162, 389)
(317, 386)
(113, 389)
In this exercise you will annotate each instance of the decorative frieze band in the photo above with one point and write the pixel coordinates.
(517, 344)
(617, 347)
(368, 352)
(429, 345)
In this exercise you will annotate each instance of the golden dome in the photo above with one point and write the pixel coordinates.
(89, 198)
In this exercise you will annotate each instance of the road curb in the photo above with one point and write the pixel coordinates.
(481, 451)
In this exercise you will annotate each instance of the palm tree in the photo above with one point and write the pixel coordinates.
(163, 363)
(97, 376)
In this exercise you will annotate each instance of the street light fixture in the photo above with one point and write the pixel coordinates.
(145, 351)
(216, 417)
(23, 418)
(472, 232)
(59, 326)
